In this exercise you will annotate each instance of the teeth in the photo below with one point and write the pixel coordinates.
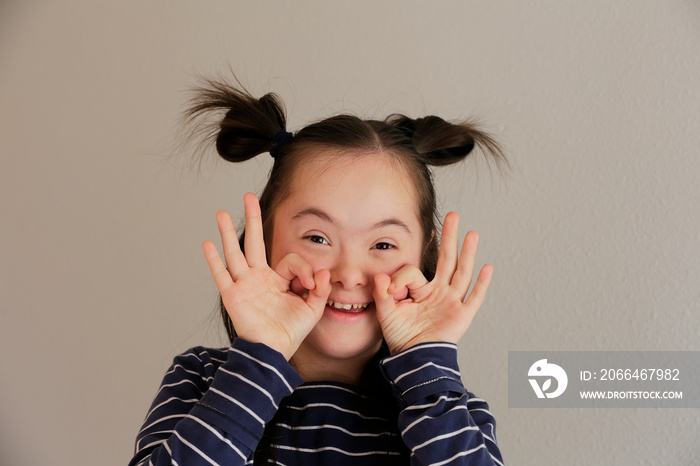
(346, 307)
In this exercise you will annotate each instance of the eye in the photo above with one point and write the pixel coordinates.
(383, 246)
(316, 239)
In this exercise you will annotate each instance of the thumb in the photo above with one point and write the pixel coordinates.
(383, 301)
(318, 295)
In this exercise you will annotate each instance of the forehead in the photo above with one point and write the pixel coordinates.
(331, 169)
(370, 182)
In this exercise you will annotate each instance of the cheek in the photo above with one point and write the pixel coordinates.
(393, 265)
(296, 287)
(282, 245)
(388, 267)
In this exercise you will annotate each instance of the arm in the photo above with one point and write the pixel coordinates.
(440, 422)
(204, 415)
(209, 410)
(421, 322)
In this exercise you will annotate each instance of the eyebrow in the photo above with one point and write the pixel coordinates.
(315, 212)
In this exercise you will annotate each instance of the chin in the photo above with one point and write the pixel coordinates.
(329, 341)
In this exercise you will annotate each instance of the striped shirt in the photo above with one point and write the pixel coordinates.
(214, 406)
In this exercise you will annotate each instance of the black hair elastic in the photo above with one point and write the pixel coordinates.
(280, 138)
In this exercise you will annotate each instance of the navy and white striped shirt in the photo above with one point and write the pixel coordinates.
(214, 405)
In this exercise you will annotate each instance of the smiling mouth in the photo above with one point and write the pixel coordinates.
(347, 307)
(343, 307)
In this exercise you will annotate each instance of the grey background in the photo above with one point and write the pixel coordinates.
(594, 236)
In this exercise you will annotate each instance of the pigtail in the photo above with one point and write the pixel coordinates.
(445, 143)
(249, 125)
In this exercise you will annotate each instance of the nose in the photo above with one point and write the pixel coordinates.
(348, 271)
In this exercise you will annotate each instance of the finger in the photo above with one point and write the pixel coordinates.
(254, 242)
(221, 275)
(292, 266)
(235, 260)
(447, 259)
(383, 301)
(478, 294)
(318, 296)
(462, 277)
(407, 279)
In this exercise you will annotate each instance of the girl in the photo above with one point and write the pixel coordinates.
(342, 310)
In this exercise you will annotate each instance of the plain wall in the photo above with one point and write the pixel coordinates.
(593, 235)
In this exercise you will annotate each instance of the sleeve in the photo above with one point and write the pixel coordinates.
(440, 422)
(203, 415)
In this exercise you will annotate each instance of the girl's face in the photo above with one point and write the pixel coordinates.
(354, 216)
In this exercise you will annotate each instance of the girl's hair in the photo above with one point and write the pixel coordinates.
(253, 126)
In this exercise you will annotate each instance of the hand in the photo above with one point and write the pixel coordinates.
(439, 310)
(258, 299)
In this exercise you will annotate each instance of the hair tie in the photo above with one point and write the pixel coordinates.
(280, 138)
